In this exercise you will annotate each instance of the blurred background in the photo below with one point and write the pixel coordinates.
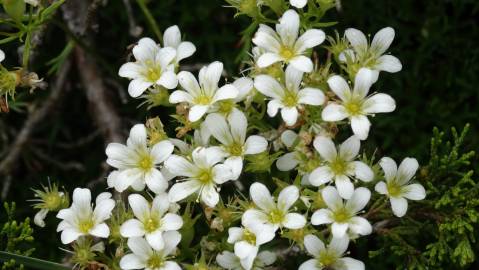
(436, 41)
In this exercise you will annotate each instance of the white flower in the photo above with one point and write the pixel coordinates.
(284, 44)
(244, 85)
(271, 213)
(203, 174)
(340, 166)
(80, 219)
(288, 161)
(341, 214)
(144, 257)
(230, 261)
(151, 221)
(371, 56)
(172, 38)
(247, 241)
(287, 97)
(153, 66)
(355, 105)
(330, 257)
(31, 2)
(2, 55)
(204, 95)
(298, 3)
(137, 163)
(397, 186)
(231, 133)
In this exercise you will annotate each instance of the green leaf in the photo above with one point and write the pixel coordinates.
(32, 263)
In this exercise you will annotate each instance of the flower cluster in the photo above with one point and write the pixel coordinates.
(305, 184)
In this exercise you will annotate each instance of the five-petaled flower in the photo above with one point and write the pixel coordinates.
(172, 38)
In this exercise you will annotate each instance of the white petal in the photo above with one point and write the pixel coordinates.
(298, 3)
(155, 239)
(217, 126)
(227, 91)
(171, 240)
(172, 36)
(389, 167)
(228, 260)
(188, 81)
(382, 40)
(2, 56)
(339, 229)
(235, 165)
(210, 196)
(100, 230)
(359, 199)
(313, 245)
(344, 185)
(132, 261)
(288, 137)
(414, 192)
(360, 226)
(266, 39)
(294, 221)
(139, 205)
(162, 151)
(171, 222)
(165, 56)
(40, 217)
(145, 50)
(261, 196)
(181, 190)
(130, 70)
(388, 63)
(124, 179)
(352, 264)
(243, 249)
(381, 188)
(340, 87)
(407, 169)
(349, 149)
(254, 217)
(138, 135)
(267, 257)
(325, 147)
(244, 86)
(311, 96)
(196, 112)
(379, 103)
(334, 112)
(339, 245)
(210, 77)
(255, 144)
(360, 125)
(311, 264)
(311, 38)
(362, 82)
(287, 197)
(320, 176)
(288, 27)
(69, 235)
(293, 78)
(302, 63)
(322, 216)
(139, 247)
(399, 206)
(222, 173)
(168, 79)
(184, 50)
(160, 204)
(103, 209)
(289, 115)
(287, 162)
(267, 59)
(82, 197)
(137, 87)
(268, 86)
(273, 107)
(235, 234)
(239, 125)
(331, 198)
(180, 96)
(357, 39)
(179, 166)
(362, 171)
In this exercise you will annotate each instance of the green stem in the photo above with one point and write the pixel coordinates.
(150, 19)
(31, 263)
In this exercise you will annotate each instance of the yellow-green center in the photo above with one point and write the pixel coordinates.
(145, 163)
(338, 166)
(85, 225)
(394, 189)
(326, 259)
(205, 176)
(202, 100)
(341, 215)
(249, 237)
(235, 149)
(153, 71)
(52, 200)
(290, 99)
(156, 261)
(353, 107)
(225, 106)
(286, 52)
(151, 224)
(276, 216)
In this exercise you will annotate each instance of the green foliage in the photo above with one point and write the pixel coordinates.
(440, 232)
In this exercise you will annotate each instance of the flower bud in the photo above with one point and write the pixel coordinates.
(155, 131)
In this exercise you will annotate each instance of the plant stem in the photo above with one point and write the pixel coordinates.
(150, 19)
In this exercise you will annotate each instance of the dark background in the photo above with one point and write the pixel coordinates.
(436, 41)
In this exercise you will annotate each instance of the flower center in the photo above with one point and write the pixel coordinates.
(290, 99)
(202, 100)
(205, 176)
(153, 71)
(394, 190)
(326, 259)
(338, 166)
(145, 163)
(53, 200)
(225, 106)
(353, 107)
(286, 52)
(235, 149)
(276, 216)
(85, 225)
(151, 224)
(341, 215)
(249, 237)
(155, 261)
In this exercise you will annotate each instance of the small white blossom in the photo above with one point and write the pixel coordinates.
(247, 240)
(341, 166)
(137, 163)
(371, 56)
(80, 219)
(32, 2)
(203, 95)
(356, 105)
(231, 133)
(288, 97)
(271, 213)
(284, 45)
(172, 38)
(2, 55)
(151, 221)
(203, 175)
(397, 186)
(330, 257)
(343, 215)
(144, 257)
(230, 261)
(153, 66)
(298, 3)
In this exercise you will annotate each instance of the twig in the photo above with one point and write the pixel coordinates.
(71, 145)
(134, 29)
(66, 166)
